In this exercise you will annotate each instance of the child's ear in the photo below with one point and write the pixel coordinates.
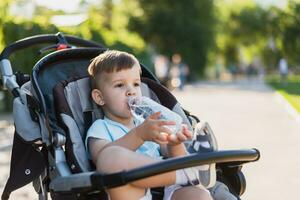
(98, 97)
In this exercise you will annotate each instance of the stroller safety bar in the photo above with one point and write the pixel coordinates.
(100, 181)
(43, 39)
(7, 76)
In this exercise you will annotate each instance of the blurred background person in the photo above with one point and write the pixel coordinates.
(161, 67)
(218, 68)
(283, 70)
(179, 72)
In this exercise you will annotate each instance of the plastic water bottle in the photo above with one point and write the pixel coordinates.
(142, 107)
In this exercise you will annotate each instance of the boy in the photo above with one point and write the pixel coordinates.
(119, 142)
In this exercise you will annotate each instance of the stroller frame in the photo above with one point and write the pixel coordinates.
(53, 173)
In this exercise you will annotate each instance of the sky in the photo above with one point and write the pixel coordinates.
(66, 5)
(72, 5)
(279, 3)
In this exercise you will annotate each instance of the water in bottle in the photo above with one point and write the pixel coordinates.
(142, 107)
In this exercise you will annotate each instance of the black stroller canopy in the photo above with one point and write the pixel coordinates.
(62, 65)
(59, 66)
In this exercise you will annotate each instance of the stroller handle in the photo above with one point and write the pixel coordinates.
(44, 38)
(6, 71)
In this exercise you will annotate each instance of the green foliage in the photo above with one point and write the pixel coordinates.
(23, 60)
(105, 25)
(12, 31)
(290, 35)
(290, 90)
(254, 31)
(114, 34)
(184, 27)
(4, 5)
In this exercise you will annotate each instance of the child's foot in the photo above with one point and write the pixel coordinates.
(204, 142)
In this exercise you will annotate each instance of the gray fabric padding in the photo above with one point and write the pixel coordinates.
(28, 88)
(78, 94)
(25, 127)
(177, 108)
(78, 145)
(148, 93)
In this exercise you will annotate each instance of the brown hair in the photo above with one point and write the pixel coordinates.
(110, 61)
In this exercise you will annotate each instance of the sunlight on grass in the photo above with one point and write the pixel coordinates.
(290, 90)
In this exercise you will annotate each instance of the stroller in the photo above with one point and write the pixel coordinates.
(52, 110)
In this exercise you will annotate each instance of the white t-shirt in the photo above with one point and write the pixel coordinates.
(111, 130)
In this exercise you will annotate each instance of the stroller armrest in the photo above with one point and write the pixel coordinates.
(96, 180)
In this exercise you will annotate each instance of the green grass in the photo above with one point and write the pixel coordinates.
(290, 90)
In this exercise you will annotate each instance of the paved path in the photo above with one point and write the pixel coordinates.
(250, 114)
(243, 115)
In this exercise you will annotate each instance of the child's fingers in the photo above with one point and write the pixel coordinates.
(155, 115)
(161, 138)
(173, 139)
(165, 130)
(160, 142)
(188, 134)
(166, 123)
(186, 131)
(181, 137)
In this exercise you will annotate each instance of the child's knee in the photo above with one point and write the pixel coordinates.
(193, 193)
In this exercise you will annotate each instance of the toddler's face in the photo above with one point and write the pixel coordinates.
(116, 87)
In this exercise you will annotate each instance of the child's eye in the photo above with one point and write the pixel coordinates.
(136, 84)
(119, 85)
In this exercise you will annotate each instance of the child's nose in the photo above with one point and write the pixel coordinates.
(130, 91)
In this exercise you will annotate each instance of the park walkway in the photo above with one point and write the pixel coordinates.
(243, 114)
(248, 114)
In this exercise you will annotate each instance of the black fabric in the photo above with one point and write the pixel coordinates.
(88, 120)
(33, 107)
(94, 195)
(232, 176)
(26, 165)
(60, 101)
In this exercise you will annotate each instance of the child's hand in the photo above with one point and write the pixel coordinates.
(180, 137)
(153, 129)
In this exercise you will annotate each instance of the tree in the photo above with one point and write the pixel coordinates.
(184, 27)
(290, 33)
(253, 29)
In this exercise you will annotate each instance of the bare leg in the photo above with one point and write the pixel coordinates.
(118, 158)
(191, 193)
(114, 159)
(126, 192)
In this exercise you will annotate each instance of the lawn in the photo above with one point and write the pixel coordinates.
(290, 90)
